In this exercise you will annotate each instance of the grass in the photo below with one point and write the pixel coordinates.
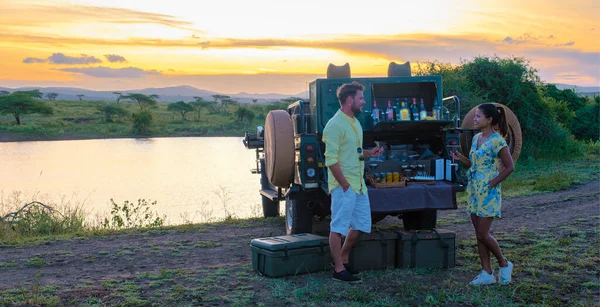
(553, 267)
(547, 176)
(82, 120)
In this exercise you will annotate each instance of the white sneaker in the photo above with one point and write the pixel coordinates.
(483, 279)
(505, 274)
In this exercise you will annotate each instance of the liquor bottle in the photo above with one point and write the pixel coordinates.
(397, 109)
(423, 112)
(389, 112)
(404, 112)
(437, 110)
(375, 114)
(414, 110)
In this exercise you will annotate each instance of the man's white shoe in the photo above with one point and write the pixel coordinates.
(505, 274)
(484, 278)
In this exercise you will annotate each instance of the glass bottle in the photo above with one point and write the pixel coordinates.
(404, 112)
(423, 112)
(414, 110)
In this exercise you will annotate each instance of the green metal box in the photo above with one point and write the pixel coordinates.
(290, 255)
(374, 251)
(426, 249)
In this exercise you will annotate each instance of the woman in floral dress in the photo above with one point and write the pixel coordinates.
(484, 201)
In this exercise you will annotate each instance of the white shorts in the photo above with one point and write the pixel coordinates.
(349, 210)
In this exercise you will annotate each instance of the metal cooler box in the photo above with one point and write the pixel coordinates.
(290, 255)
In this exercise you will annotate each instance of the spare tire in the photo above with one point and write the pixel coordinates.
(514, 136)
(279, 148)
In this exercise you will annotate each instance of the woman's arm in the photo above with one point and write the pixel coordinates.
(509, 166)
(458, 156)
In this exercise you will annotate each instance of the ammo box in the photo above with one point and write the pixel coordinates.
(374, 251)
(290, 255)
(425, 249)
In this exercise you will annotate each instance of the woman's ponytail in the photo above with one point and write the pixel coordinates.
(502, 126)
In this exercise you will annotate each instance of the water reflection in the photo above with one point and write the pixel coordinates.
(184, 175)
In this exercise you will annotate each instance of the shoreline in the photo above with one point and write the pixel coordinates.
(8, 137)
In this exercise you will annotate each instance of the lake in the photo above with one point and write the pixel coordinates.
(194, 179)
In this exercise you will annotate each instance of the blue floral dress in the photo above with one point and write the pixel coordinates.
(483, 200)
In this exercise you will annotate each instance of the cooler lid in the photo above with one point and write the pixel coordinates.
(290, 242)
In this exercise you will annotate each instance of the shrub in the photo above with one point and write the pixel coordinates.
(142, 121)
(586, 125)
(131, 215)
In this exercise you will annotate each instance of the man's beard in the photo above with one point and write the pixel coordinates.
(355, 109)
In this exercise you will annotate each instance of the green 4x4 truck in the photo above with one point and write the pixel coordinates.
(290, 152)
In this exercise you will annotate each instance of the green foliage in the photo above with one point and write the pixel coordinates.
(559, 111)
(512, 82)
(244, 114)
(131, 215)
(32, 93)
(180, 107)
(21, 103)
(586, 125)
(144, 102)
(108, 111)
(37, 219)
(574, 102)
(142, 121)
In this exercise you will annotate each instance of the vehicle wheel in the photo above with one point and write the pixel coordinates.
(279, 148)
(514, 137)
(270, 207)
(298, 217)
(419, 220)
(377, 217)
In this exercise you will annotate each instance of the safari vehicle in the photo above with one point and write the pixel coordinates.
(290, 152)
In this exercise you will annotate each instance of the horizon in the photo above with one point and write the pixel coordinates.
(125, 45)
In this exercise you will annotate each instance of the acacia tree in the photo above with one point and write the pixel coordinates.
(154, 96)
(20, 103)
(221, 98)
(145, 102)
(51, 96)
(198, 105)
(180, 107)
(119, 96)
(110, 110)
(80, 96)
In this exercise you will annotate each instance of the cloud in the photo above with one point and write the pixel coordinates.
(107, 72)
(41, 15)
(113, 58)
(571, 43)
(61, 59)
(525, 38)
(31, 60)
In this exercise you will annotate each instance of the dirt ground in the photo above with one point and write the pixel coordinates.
(68, 263)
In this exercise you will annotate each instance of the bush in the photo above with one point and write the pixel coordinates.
(586, 125)
(35, 219)
(513, 82)
(132, 215)
(142, 121)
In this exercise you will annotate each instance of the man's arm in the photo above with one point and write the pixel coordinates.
(336, 170)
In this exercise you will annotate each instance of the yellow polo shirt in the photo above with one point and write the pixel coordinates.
(342, 136)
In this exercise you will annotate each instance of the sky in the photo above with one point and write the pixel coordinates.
(278, 46)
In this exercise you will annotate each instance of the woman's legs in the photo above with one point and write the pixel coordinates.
(486, 243)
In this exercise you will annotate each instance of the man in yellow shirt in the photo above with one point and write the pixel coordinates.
(344, 158)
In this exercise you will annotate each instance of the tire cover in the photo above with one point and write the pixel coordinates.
(279, 148)
(514, 137)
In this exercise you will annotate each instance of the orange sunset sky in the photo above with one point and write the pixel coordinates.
(264, 46)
